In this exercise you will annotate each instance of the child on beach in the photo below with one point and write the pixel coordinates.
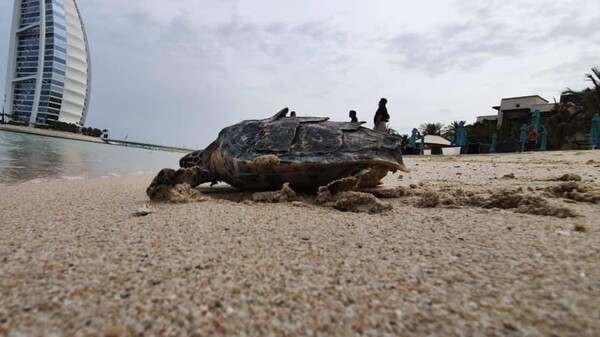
(532, 137)
(352, 115)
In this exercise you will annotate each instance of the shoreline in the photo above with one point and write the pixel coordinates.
(79, 137)
(69, 178)
(49, 133)
(74, 251)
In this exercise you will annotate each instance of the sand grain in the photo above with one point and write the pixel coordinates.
(75, 260)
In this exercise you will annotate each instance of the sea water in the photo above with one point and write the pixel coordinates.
(33, 158)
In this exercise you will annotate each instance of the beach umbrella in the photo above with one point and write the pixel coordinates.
(536, 119)
(494, 143)
(544, 140)
(523, 136)
(422, 144)
(595, 132)
(460, 138)
(464, 139)
(413, 138)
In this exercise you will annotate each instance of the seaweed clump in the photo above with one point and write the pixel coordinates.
(528, 204)
(575, 191)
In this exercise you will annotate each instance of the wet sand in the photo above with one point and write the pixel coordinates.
(76, 261)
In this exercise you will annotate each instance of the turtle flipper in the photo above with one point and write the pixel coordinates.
(168, 179)
(341, 194)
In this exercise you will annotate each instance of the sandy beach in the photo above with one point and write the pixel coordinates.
(75, 260)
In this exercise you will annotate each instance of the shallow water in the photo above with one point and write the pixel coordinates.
(25, 157)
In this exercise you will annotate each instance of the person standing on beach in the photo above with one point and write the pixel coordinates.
(381, 117)
(352, 115)
(532, 137)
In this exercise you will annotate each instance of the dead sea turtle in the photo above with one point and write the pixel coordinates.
(305, 152)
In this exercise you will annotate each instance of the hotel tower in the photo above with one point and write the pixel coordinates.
(48, 75)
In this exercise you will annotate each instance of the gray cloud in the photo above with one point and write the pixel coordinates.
(464, 45)
(570, 29)
(488, 35)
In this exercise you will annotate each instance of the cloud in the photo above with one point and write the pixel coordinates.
(582, 30)
(492, 30)
(464, 46)
(175, 73)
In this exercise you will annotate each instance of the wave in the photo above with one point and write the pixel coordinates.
(36, 181)
(71, 178)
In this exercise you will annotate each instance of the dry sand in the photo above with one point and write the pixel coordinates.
(76, 261)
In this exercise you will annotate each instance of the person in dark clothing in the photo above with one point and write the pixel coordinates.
(352, 115)
(381, 117)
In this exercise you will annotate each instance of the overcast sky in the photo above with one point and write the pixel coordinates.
(177, 72)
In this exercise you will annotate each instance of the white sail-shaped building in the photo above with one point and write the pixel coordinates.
(48, 75)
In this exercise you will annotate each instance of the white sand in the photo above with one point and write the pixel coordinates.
(75, 261)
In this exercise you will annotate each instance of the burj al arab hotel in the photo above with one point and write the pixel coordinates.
(48, 75)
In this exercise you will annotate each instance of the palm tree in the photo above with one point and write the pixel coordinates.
(391, 131)
(404, 141)
(574, 115)
(449, 131)
(402, 137)
(566, 122)
(592, 99)
(431, 128)
(481, 132)
(596, 80)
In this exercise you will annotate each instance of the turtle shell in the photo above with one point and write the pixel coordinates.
(307, 152)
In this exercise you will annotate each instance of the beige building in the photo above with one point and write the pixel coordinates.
(518, 110)
(481, 119)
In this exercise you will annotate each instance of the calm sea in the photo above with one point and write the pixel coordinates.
(25, 157)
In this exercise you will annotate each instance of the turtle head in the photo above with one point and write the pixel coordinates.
(167, 180)
(169, 183)
(193, 168)
(191, 159)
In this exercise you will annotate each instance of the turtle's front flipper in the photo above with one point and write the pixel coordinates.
(342, 194)
(177, 186)
(372, 176)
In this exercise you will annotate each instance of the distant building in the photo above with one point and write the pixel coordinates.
(482, 119)
(516, 111)
(48, 74)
